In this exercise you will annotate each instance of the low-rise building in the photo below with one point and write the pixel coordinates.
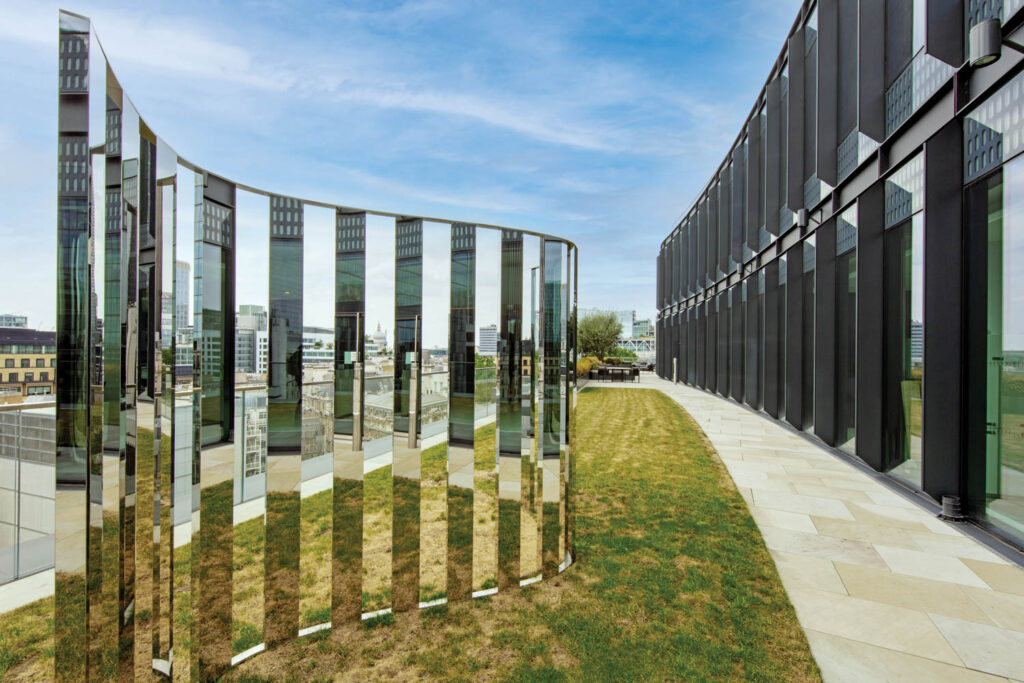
(28, 360)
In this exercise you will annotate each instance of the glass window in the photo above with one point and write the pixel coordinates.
(783, 264)
(9, 363)
(26, 363)
(1004, 352)
(30, 377)
(807, 299)
(40, 362)
(846, 329)
(44, 377)
(903, 319)
(12, 377)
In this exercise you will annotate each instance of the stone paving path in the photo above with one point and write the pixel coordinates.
(884, 590)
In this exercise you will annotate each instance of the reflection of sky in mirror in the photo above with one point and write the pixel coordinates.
(488, 278)
(184, 246)
(252, 249)
(318, 267)
(380, 276)
(589, 122)
(437, 277)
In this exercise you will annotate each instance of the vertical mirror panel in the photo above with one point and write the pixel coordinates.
(462, 374)
(251, 344)
(485, 483)
(147, 460)
(563, 400)
(127, 472)
(316, 530)
(529, 544)
(537, 388)
(349, 371)
(166, 175)
(30, 477)
(433, 411)
(72, 387)
(284, 420)
(378, 416)
(509, 424)
(185, 479)
(552, 265)
(572, 270)
(105, 463)
(214, 277)
(99, 609)
(405, 566)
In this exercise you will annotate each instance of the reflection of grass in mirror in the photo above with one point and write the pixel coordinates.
(433, 522)
(672, 582)
(485, 509)
(377, 507)
(315, 559)
(247, 584)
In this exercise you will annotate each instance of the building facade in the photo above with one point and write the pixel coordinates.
(28, 361)
(853, 267)
(12, 320)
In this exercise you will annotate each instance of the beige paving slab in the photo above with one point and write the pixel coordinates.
(865, 531)
(808, 505)
(850, 661)
(1000, 577)
(799, 571)
(985, 648)
(929, 566)
(1002, 609)
(874, 623)
(911, 592)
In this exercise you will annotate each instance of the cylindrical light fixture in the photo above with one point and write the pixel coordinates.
(986, 42)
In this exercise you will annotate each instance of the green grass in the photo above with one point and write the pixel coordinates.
(671, 581)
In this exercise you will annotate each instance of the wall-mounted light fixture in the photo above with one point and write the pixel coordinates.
(986, 43)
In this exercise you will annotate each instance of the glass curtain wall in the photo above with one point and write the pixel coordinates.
(807, 298)
(846, 329)
(903, 361)
(1002, 196)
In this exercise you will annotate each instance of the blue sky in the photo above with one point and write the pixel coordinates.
(598, 121)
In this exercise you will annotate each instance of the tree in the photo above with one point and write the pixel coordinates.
(598, 334)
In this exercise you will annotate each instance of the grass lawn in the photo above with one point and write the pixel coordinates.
(672, 581)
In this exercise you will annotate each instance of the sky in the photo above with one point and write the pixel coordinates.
(599, 121)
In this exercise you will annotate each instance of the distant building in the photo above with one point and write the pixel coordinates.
(183, 292)
(489, 340)
(643, 328)
(317, 346)
(625, 318)
(916, 343)
(251, 339)
(380, 340)
(11, 320)
(28, 360)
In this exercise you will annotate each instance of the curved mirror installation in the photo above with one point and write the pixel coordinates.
(259, 436)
